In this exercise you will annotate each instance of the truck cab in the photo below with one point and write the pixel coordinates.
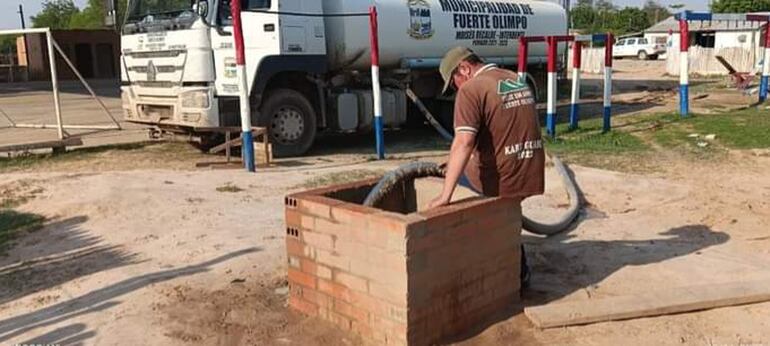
(307, 65)
(179, 69)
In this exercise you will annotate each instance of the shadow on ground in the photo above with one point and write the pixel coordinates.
(58, 253)
(102, 87)
(561, 267)
(95, 301)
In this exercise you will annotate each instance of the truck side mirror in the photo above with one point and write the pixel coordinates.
(203, 8)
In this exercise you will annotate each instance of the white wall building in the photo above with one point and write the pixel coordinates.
(740, 43)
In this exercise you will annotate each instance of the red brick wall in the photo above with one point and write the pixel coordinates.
(401, 279)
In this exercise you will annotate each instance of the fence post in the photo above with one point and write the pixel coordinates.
(551, 111)
(376, 90)
(240, 58)
(574, 116)
(684, 66)
(54, 82)
(763, 86)
(610, 41)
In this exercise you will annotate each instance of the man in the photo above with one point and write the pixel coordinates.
(497, 149)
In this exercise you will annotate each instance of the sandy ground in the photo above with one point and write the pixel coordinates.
(131, 255)
(165, 253)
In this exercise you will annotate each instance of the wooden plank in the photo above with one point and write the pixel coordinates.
(661, 302)
(68, 142)
(235, 129)
(263, 153)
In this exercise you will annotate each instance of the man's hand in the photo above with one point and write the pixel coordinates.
(439, 201)
(462, 147)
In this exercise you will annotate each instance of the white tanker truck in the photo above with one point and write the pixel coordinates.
(307, 64)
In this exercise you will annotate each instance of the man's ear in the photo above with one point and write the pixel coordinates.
(462, 68)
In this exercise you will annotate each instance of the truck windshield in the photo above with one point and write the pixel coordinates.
(150, 10)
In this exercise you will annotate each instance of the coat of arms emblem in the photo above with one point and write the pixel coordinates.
(420, 25)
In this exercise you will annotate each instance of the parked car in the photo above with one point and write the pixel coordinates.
(639, 47)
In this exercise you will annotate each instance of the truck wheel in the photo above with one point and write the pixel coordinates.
(642, 55)
(291, 122)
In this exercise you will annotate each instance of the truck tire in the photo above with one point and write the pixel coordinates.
(642, 55)
(291, 121)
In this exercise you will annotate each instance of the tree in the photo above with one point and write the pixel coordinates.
(56, 14)
(676, 7)
(655, 11)
(740, 6)
(7, 44)
(92, 16)
(583, 17)
(604, 5)
(629, 20)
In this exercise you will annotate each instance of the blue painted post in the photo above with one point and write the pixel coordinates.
(240, 54)
(376, 91)
(550, 122)
(608, 82)
(684, 66)
(574, 114)
(763, 86)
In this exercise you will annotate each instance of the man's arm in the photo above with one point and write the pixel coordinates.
(462, 147)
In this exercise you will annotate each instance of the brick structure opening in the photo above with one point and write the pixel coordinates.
(402, 275)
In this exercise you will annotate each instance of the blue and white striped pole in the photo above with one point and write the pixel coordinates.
(240, 53)
(610, 41)
(550, 122)
(376, 90)
(574, 114)
(684, 66)
(763, 85)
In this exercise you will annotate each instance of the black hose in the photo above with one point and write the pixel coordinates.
(568, 217)
(416, 170)
(406, 172)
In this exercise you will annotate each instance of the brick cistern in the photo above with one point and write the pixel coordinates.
(400, 275)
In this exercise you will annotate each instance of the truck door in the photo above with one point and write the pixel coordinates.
(260, 31)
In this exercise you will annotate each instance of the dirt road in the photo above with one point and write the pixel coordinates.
(143, 249)
(165, 257)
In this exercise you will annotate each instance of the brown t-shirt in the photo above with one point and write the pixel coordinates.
(508, 160)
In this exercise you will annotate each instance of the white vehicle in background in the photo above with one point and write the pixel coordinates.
(639, 47)
(308, 62)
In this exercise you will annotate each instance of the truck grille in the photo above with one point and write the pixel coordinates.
(156, 111)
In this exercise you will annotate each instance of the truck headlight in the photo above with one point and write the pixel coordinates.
(196, 99)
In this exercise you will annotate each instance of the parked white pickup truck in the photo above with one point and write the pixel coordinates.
(639, 47)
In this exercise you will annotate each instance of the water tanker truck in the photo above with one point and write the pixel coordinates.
(308, 61)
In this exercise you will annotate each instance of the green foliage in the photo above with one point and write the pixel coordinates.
(56, 14)
(91, 17)
(603, 16)
(63, 14)
(7, 44)
(583, 17)
(740, 6)
(629, 20)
